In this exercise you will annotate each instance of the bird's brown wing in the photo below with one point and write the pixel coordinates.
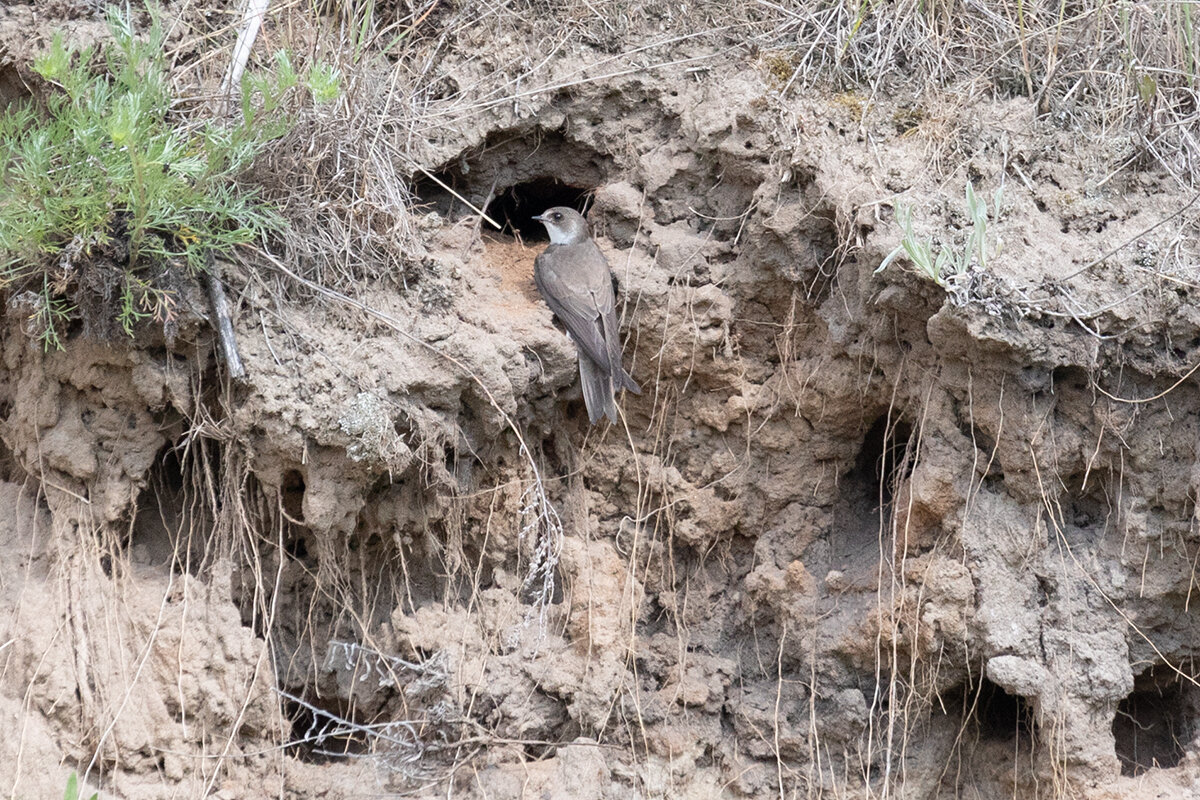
(612, 334)
(575, 282)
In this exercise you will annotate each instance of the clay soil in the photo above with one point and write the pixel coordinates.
(862, 534)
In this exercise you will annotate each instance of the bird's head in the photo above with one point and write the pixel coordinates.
(565, 225)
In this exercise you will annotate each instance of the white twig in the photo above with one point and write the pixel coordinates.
(252, 18)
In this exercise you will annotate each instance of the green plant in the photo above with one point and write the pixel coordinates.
(106, 178)
(325, 83)
(263, 95)
(72, 792)
(948, 262)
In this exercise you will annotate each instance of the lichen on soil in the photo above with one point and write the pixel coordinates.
(862, 535)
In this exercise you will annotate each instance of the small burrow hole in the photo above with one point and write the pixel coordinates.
(865, 498)
(319, 734)
(513, 175)
(538, 751)
(160, 535)
(10, 467)
(1070, 378)
(993, 713)
(883, 458)
(1002, 716)
(515, 207)
(296, 546)
(404, 426)
(291, 489)
(1156, 722)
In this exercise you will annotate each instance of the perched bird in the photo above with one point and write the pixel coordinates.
(573, 278)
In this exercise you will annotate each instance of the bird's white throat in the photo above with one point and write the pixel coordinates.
(559, 236)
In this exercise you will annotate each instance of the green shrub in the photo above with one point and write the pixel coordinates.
(104, 177)
(949, 262)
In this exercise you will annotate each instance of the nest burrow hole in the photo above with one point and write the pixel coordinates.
(165, 522)
(1156, 722)
(12, 86)
(291, 490)
(883, 459)
(993, 714)
(1002, 716)
(511, 177)
(515, 207)
(319, 733)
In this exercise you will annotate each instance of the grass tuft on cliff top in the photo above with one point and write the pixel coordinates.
(103, 177)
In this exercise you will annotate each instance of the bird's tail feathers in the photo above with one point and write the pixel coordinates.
(598, 393)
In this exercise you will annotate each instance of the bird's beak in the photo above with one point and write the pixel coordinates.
(539, 218)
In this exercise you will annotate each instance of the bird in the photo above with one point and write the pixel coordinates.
(573, 277)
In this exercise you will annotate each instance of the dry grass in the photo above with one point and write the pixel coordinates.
(423, 80)
(1101, 68)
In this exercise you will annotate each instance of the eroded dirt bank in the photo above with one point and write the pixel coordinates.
(864, 535)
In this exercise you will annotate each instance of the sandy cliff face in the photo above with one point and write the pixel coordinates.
(862, 535)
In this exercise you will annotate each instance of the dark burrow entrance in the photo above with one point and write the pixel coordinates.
(322, 732)
(513, 175)
(995, 738)
(861, 533)
(990, 714)
(512, 207)
(1000, 716)
(515, 207)
(12, 87)
(1156, 722)
(167, 528)
(883, 460)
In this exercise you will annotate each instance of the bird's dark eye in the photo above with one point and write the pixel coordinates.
(557, 215)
